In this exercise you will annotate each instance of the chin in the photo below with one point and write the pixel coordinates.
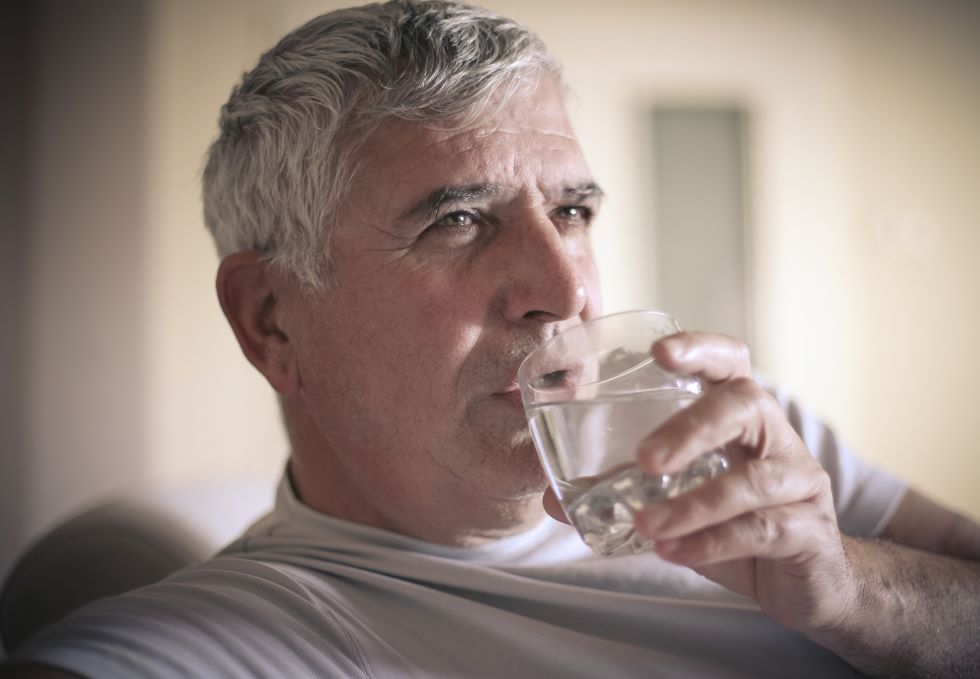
(517, 475)
(507, 466)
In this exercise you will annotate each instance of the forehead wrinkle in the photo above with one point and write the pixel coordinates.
(545, 162)
(475, 140)
(492, 160)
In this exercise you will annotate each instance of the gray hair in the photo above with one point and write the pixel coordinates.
(286, 153)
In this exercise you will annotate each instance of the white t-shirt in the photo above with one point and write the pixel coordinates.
(302, 594)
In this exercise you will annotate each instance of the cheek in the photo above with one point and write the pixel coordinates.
(445, 313)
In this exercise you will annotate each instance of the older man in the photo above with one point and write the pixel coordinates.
(403, 213)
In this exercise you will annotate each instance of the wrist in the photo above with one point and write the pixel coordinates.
(867, 632)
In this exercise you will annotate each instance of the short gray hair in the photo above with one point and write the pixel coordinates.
(283, 161)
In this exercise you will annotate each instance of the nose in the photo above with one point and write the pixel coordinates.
(546, 277)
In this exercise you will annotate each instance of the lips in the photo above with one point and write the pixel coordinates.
(514, 355)
(510, 392)
(560, 379)
(512, 385)
(514, 396)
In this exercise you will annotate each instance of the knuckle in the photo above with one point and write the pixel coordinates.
(745, 389)
(767, 405)
(742, 355)
(822, 518)
(762, 479)
(686, 338)
(709, 545)
(827, 508)
(822, 480)
(764, 529)
(749, 395)
(821, 485)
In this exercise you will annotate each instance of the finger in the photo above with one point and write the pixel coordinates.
(783, 532)
(738, 411)
(713, 358)
(553, 507)
(751, 485)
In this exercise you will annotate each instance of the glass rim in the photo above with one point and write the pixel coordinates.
(526, 384)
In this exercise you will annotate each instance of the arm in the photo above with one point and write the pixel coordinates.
(921, 523)
(768, 530)
(920, 594)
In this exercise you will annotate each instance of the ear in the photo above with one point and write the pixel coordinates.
(250, 298)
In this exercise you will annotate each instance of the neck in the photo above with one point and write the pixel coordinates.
(436, 507)
(433, 517)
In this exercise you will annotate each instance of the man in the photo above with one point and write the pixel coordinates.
(403, 214)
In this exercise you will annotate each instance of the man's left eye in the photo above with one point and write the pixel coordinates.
(457, 219)
(577, 215)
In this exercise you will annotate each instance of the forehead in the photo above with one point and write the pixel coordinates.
(525, 141)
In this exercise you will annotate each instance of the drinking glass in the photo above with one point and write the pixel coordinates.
(591, 394)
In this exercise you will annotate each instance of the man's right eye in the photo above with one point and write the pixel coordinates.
(455, 228)
(457, 219)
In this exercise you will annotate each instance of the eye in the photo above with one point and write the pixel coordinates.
(458, 219)
(574, 215)
(455, 228)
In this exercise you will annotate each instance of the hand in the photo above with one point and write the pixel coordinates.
(767, 528)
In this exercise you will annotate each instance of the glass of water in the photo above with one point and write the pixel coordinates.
(591, 394)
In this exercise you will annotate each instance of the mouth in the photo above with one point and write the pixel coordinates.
(509, 390)
(511, 394)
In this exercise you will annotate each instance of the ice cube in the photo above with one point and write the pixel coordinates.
(603, 513)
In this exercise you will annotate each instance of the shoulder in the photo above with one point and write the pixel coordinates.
(865, 495)
(240, 616)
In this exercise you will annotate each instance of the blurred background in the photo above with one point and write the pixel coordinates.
(802, 174)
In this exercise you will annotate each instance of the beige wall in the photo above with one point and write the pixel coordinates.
(866, 153)
(208, 412)
(74, 400)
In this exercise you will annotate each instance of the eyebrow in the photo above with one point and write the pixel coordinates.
(582, 192)
(429, 207)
